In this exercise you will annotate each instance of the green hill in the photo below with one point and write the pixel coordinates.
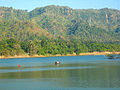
(101, 25)
(58, 30)
(89, 24)
(22, 30)
(16, 24)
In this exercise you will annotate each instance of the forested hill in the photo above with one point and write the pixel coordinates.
(16, 24)
(101, 25)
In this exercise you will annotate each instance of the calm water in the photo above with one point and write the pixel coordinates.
(74, 72)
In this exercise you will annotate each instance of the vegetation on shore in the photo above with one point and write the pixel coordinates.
(12, 47)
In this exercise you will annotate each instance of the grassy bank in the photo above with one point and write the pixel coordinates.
(74, 54)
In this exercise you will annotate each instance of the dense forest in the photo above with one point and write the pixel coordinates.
(58, 30)
(49, 46)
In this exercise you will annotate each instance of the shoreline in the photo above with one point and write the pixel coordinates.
(74, 54)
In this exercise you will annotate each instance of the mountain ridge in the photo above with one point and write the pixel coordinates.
(63, 21)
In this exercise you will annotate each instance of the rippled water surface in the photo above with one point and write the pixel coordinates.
(74, 72)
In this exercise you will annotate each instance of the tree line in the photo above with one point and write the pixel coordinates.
(11, 47)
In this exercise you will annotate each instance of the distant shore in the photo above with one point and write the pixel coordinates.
(74, 54)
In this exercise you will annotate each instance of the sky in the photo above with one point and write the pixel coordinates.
(75, 4)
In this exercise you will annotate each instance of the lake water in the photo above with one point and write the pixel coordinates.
(74, 73)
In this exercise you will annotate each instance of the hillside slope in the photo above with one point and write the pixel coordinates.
(16, 24)
(102, 25)
(89, 24)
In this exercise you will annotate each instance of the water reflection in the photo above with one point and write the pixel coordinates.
(105, 74)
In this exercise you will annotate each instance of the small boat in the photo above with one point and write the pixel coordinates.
(111, 56)
(57, 62)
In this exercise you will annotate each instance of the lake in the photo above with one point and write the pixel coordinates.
(74, 73)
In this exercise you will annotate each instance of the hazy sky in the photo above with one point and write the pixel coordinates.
(76, 4)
